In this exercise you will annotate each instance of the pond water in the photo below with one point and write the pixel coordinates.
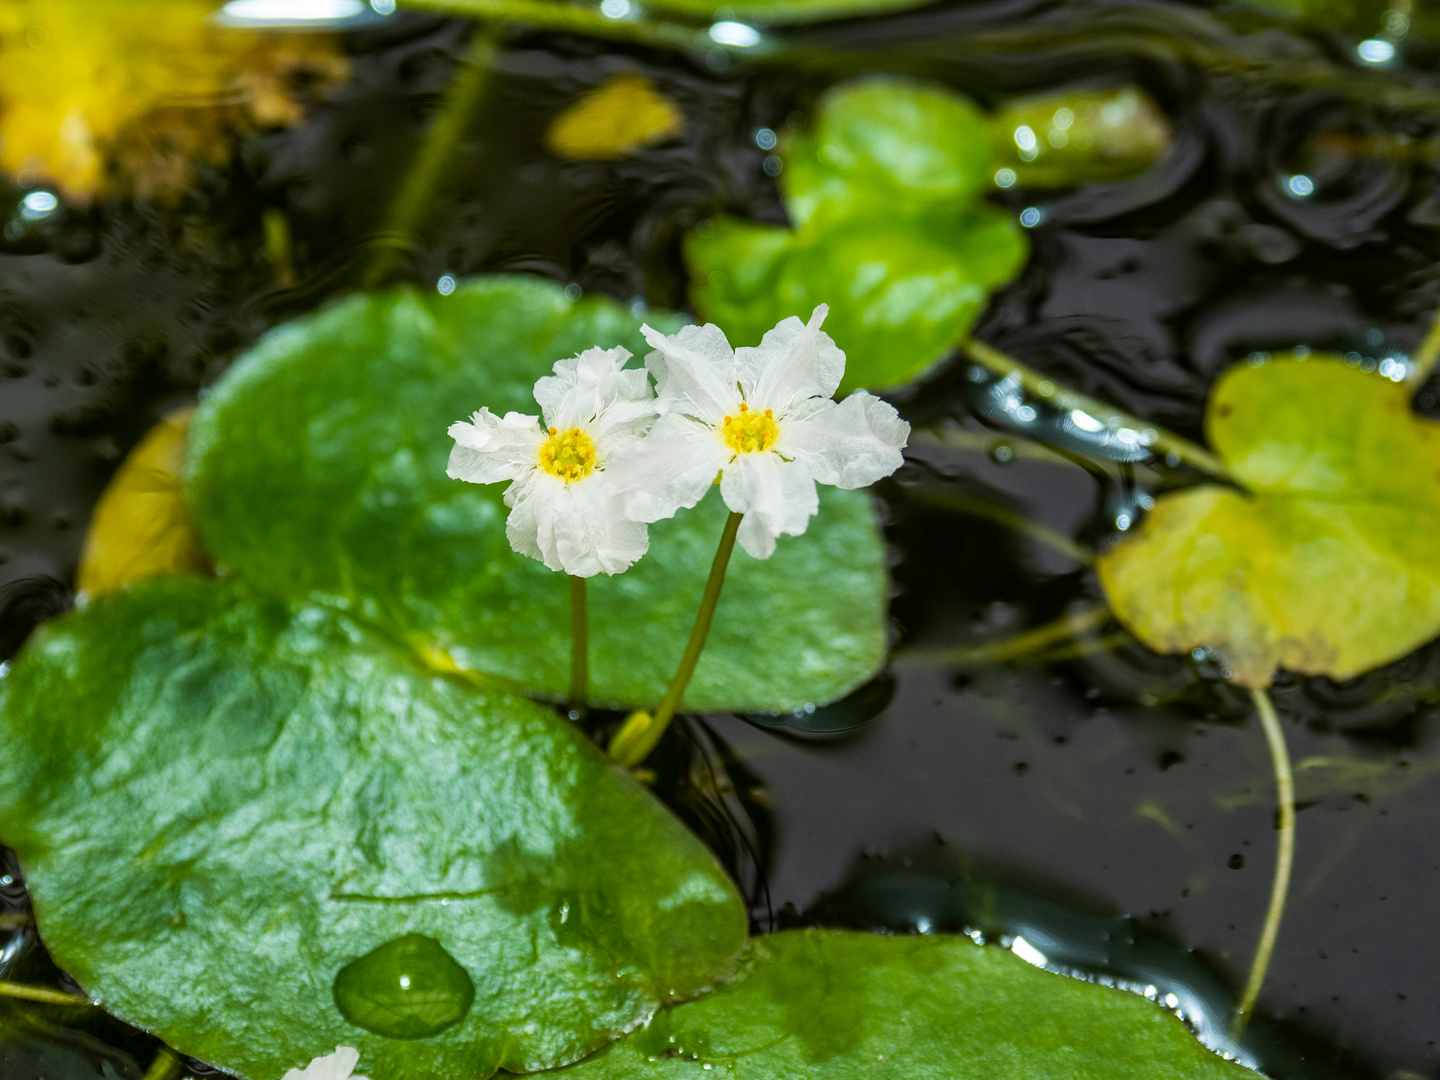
(1048, 799)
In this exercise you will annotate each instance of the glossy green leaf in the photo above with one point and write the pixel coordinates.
(890, 231)
(318, 466)
(902, 291)
(1079, 137)
(1326, 564)
(835, 1005)
(242, 823)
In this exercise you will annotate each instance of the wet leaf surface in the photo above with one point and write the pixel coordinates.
(889, 230)
(227, 807)
(1325, 565)
(318, 466)
(817, 1005)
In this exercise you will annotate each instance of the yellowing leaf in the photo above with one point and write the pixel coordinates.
(102, 93)
(141, 527)
(622, 116)
(1326, 563)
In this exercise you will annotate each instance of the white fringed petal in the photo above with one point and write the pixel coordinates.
(337, 1066)
(777, 497)
(694, 372)
(577, 527)
(849, 445)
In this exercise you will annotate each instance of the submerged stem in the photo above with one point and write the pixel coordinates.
(427, 172)
(1164, 443)
(43, 994)
(579, 648)
(1284, 856)
(1027, 643)
(165, 1066)
(1423, 362)
(1054, 539)
(634, 741)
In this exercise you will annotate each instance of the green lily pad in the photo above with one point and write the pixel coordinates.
(831, 1005)
(261, 832)
(890, 231)
(1325, 564)
(318, 469)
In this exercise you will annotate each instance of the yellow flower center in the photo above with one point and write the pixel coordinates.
(750, 433)
(570, 455)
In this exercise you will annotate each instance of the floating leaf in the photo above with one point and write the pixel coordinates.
(889, 230)
(1079, 137)
(238, 819)
(141, 526)
(615, 120)
(1325, 564)
(831, 1005)
(318, 466)
(87, 86)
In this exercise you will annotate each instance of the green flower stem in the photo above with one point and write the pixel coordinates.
(165, 1066)
(983, 508)
(579, 648)
(432, 163)
(641, 731)
(1163, 443)
(40, 993)
(1021, 646)
(1284, 857)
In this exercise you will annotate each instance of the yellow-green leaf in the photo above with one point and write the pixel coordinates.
(1325, 564)
(613, 121)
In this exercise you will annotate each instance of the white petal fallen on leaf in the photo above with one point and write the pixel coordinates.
(763, 421)
(562, 509)
(337, 1066)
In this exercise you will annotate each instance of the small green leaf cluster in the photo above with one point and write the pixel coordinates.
(890, 227)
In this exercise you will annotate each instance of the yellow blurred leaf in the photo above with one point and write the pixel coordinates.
(141, 526)
(613, 121)
(110, 94)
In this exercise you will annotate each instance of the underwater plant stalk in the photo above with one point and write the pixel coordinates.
(641, 731)
(1163, 443)
(579, 648)
(1284, 856)
(432, 163)
(40, 993)
(166, 1066)
(1428, 352)
(1054, 539)
(1040, 639)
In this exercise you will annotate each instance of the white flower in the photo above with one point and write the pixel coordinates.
(763, 421)
(337, 1066)
(562, 510)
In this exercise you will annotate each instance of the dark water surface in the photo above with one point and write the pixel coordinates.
(1049, 801)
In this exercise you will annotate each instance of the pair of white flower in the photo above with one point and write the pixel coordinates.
(612, 457)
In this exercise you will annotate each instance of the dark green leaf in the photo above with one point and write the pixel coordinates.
(318, 466)
(832, 1005)
(243, 823)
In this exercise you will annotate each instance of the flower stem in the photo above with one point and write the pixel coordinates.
(26, 992)
(579, 648)
(432, 163)
(1284, 857)
(1428, 352)
(1022, 646)
(990, 511)
(641, 732)
(1163, 443)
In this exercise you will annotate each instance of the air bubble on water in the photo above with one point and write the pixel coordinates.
(765, 139)
(1005, 178)
(572, 291)
(446, 285)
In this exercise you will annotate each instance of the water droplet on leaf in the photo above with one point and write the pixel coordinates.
(409, 988)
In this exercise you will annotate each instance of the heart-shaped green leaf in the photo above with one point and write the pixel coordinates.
(318, 467)
(1326, 563)
(260, 832)
(832, 1005)
(890, 231)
